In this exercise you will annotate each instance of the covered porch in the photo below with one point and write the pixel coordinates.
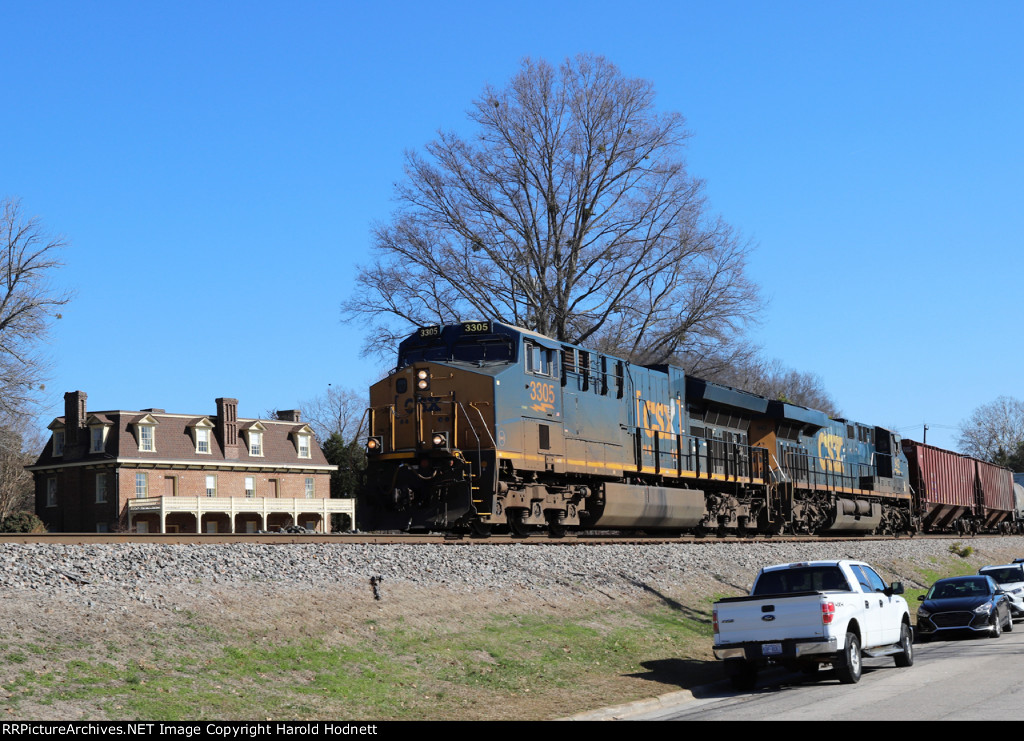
(234, 514)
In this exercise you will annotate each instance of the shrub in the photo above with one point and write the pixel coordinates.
(22, 522)
(959, 549)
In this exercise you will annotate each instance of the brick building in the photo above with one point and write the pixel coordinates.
(151, 471)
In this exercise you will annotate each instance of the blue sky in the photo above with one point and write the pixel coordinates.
(217, 168)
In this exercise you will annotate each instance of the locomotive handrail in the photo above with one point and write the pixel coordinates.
(778, 474)
(391, 427)
(736, 460)
(483, 422)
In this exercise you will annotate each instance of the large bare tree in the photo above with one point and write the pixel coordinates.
(568, 210)
(994, 430)
(29, 256)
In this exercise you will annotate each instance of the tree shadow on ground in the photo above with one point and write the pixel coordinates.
(689, 612)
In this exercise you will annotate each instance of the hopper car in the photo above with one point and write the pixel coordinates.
(958, 493)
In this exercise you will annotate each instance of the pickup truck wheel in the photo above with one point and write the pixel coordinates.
(742, 674)
(906, 658)
(848, 666)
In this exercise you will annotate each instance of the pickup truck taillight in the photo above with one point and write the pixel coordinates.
(714, 620)
(828, 612)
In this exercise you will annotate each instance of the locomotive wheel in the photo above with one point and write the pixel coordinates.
(517, 521)
(480, 529)
(556, 528)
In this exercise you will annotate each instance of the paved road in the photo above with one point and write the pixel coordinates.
(970, 679)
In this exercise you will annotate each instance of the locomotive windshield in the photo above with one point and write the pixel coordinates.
(478, 343)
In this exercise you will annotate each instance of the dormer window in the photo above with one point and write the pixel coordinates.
(147, 438)
(202, 441)
(98, 438)
(256, 442)
(202, 435)
(98, 428)
(145, 431)
(58, 442)
(303, 439)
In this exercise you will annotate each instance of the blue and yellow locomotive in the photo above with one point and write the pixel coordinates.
(485, 424)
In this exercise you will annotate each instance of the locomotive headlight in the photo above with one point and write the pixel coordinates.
(439, 439)
(423, 379)
(374, 445)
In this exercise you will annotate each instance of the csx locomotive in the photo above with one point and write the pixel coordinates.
(484, 424)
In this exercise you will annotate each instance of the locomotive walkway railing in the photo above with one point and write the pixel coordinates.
(687, 455)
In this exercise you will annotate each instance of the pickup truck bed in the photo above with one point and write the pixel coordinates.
(804, 615)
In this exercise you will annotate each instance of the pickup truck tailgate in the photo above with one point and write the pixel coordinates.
(747, 619)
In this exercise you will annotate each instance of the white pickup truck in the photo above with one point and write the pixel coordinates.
(803, 615)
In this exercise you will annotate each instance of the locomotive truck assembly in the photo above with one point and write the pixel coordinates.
(483, 424)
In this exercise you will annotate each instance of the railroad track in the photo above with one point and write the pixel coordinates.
(429, 538)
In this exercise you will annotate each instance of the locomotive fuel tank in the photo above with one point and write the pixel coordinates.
(650, 507)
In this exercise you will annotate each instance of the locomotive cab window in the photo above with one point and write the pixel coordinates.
(540, 360)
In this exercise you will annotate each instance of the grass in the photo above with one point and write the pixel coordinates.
(403, 672)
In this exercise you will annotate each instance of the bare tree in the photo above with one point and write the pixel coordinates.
(28, 302)
(337, 412)
(568, 211)
(20, 445)
(774, 380)
(993, 430)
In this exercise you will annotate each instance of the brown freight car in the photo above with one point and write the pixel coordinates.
(995, 495)
(957, 493)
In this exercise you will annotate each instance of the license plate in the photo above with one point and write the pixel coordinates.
(771, 649)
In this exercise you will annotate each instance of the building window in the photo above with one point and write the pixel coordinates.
(310, 487)
(101, 488)
(211, 486)
(51, 492)
(304, 449)
(202, 440)
(58, 442)
(255, 443)
(98, 437)
(250, 487)
(147, 443)
(141, 485)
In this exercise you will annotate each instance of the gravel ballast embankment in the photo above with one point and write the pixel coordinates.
(141, 570)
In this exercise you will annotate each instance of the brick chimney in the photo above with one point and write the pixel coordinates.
(227, 426)
(74, 415)
(289, 415)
